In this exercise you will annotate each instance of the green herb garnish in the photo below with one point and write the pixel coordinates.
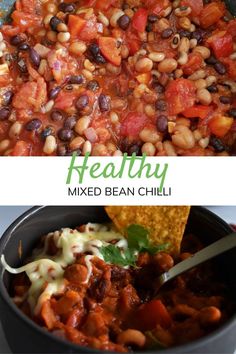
(137, 237)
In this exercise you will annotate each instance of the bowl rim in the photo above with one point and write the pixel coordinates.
(70, 345)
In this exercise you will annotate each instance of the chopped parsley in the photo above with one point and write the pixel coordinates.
(137, 238)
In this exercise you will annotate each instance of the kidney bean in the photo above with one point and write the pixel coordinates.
(93, 85)
(7, 97)
(104, 103)
(53, 93)
(76, 79)
(33, 124)
(162, 123)
(54, 22)
(66, 7)
(123, 22)
(4, 113)
(23, 47)
(34, 57)
(220, 68)
(56, 116)
(16, 40)
(65, 134)
(217, 144)
(232, 112)
(70, 122)
(82, 102)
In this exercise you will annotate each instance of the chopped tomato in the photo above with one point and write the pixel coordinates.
(133, 124)
(108, 47)
(221, 43)
(64, 100)
(139, 20)
(157, 6)
(151, 314)
(194, 63)
(231, 67)
(90, 30)
(24, 20)
(196, 6)
(211, 14)
(180, 95)
(21, 148)
(231, 28)
(75, 25)
(133, 42)
(9, 30)
(220, 125)
(197, 111)
(104, 4)
(48, 314)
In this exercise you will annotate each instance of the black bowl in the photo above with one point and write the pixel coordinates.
(24, 336)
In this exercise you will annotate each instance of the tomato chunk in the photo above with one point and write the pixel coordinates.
(75, 25)
(180, 95)
(194, 63)
(109, 50)
(104, 4)
(133, 124)
(153, 313)
(157, 6)
(139, 20)
(21, 148)
(211, 14)
(197, 111)
(221, 43)
(220, 125)
(231, 28)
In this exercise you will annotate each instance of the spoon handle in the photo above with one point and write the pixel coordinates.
(224, 244)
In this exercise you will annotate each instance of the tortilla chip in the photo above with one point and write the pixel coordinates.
(166, 224)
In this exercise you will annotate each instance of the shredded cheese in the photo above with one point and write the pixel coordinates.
(46, 272)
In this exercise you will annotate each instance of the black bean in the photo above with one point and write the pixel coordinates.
(167, 33)
(93, 85)
(72, 152)
(34, 57)
(82, 102)
(46, 132)
(212, 88)
(66, 7)
(161, 105)
(158, 87)
(76, 79)
(70, 122)
(185, 33)
(33, 124)
(54, 22)
(22, 66)
(220, 68)
(7, 97)
(65, 134)
(134, 149)
(99, 59)
(149, 27)
(232, 112)
(123, 22)
(16, 40)
(162, 123)
(104, 103)
(56, 116)
(4, 113)
(217, 144)
(152, 18)
(225, 99)
(211, 60)
(53, 93)
(23, 47)
(94, 49)
(199, 35)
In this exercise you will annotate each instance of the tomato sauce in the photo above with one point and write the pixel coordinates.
(113, 77)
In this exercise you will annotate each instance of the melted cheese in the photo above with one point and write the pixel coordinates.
(46, 272)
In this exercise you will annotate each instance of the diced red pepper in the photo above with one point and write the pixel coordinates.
(132, 125)
(75, 25)
(151, 314)
(220, 125)
(109, 50)
(198, 111)
(194, 63)
(139, 20)
(211, 14)
(196, 6)
(180, 95)
(221, 43)
(22, 148)
(157, 6)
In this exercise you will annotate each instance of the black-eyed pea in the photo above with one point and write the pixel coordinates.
(81, 125)
(183, 58)
(169, 148)
(183, 121)
(156, 56)
(124, 51)
(76, 143)
(77, 48)
(183, 137)
(200, 83)
(87, 148)
(118, 153)
(148, 149)
(117, 13)
(131, 337)
(150, 135)
(4, 145)
(199, 74)
(111, 147)
(184, 45)
(50, 145)
(161, 25)
(204, 96)
(204, 142)
(185, 23)
(167, 65)
(197, 134)
(144, 65)
(63, 37)
(99, 150)
(209, 315)
(183, 11)
(149, 110)
(203, 51)
(15, 130)
(103, 19)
